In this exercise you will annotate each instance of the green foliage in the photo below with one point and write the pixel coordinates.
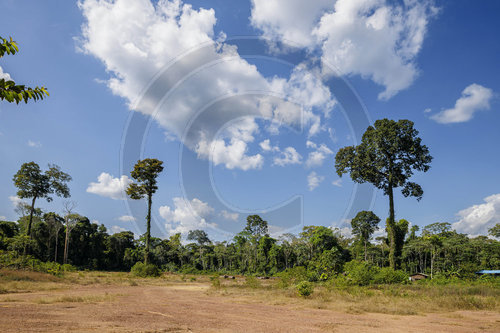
(9, 90)
(388, 155)
(359, 273)
(215, 281)
(12, 260)
(252, 282)
(364, 225)
(145, 270)
(292, 275)
(256, 226)
(304, 288)
(387, 275)
(8, 46)
(495, 231)
(200, 236)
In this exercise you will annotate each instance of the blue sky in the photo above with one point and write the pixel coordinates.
(242, 134)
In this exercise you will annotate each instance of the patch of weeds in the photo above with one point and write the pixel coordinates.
(252, 282)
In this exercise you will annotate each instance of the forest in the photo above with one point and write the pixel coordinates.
(321, 252)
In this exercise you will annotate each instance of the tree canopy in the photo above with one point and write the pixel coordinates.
(32, 183)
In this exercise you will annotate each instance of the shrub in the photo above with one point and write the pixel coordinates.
(144, 270)
(215, 282)
(387, 275)
(252, 282)
(305, 288)
(359, 272)
(291, 275)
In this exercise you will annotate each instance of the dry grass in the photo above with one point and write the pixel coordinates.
(387, 299)
(76, 299)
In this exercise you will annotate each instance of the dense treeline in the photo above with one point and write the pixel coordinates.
(322, 252)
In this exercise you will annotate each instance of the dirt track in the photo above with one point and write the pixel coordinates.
(190, 308)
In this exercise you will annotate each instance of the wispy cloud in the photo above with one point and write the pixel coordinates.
(474, 98)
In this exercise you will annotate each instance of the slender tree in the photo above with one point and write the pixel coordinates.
(33, 184)
(11, 91)
(145, 173)
(389, 153)
(70, 220)
(364, 225)
(54, 224)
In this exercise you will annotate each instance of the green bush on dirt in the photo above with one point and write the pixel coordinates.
(305, 288)
(145, 270)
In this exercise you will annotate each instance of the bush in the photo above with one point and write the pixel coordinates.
(388, 275)
(215, 282)
(291, 275)
(359, 272)
(305, 288)
(252, 282)
(145, 270)
(12, 260)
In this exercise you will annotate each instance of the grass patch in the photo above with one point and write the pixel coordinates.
(75, 299)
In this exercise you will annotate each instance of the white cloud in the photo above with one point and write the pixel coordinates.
(288, 156)
(110, 187)
(317, 157)
(186, 215)
(4, 75)
(372, 38)
(135, 39)
(15, 200)
(126, 218)
(233, 154)
(116, 229)
(337, 182)
(427, 110)
(289, 20)
(313, 180)
(474, 98)
(3, 218)
(34, 144)
(477, 219)
(229, 216)
(266, 146)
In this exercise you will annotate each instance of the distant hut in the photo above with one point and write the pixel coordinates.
(495, 272)
(418, 276)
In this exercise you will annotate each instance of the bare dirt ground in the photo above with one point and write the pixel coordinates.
(193, 307)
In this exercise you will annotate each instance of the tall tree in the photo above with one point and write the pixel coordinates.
(54, 224)
(145, 173)
(389, 153)
(256, 226)
(33, 183)
(11, 91)
(364, 225)
(70, 220)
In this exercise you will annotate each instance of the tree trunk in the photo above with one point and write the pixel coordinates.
(392, 231)
(148, 229)
(365, 250)
(66, 246)
(28, 232)
(55, 255)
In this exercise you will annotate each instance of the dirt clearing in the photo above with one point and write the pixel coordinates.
(194, 307)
